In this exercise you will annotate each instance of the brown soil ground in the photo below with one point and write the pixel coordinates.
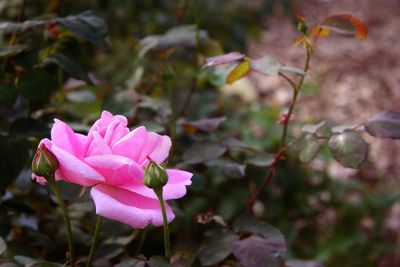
(356, 78)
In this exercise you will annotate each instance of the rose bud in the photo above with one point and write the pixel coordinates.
(155, 176)
(44, 162)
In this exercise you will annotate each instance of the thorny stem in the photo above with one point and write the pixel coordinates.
(54, 187)
(95, 239)
(296, 90)
(283, 147)
(159, 193)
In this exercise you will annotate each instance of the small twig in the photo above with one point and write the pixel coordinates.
(296, 89)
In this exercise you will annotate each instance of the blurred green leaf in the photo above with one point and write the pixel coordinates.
(385, 124)
(37, 85)
(256, 251)
(27, 127)
(241, 70)
(203, 151)
(88, 26)
(313, 128)
(158, 261)
(261, 160)
(348, 148)
(303, 263)
(266, 65)
(12, 50)
(129, 262)
(8, 94)
(250, 224)
(217, 248)
(206, 125)
(70, 66)
(310, 148)
(3, 245)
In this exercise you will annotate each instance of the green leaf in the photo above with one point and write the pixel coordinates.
(235, 144)
(250, 224)
(37, 85)
(343, 128)
(303, 263)
(310, 148)
(217, 76)
(262, 160)
(241, 70)
(256, 251)
(10, 51)
(313, 128)
(88, 26)
(157, 261)
(8, 94)
(129, 262)
(73, 68)
(348, 148)
(27, 127)
(14, 154)
(294, 70)
(206, 125)
(13, 27)
(218, 247)
(223, 59)
(203, 151)
(266, 65)
(228, 168)
(385, 124)
(3, 245)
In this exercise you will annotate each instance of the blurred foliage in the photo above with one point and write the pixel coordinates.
(59, 60)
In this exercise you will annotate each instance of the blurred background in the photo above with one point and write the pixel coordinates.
(146, 64)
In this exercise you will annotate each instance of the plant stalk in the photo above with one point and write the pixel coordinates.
(95, 239)
(167, 246)
(54, 187)
(296, 90)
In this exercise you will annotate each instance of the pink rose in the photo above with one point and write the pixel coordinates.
(112, 159)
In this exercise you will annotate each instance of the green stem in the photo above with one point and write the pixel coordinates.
(95, 239)
(296, 90)
(54, 187)
(166, 227)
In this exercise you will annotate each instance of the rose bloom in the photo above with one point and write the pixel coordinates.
(112, 160)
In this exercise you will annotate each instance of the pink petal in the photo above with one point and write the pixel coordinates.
(157, 148)
(64, 137)
(39, 179)
(97, 145)
(128, 207)
(75, 170)
(131, 144)
(104, 120)
(115, 131)
(174, 189)
(116, 169)
(102, 124)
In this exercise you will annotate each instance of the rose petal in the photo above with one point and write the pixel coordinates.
(65, 138)
(128, 207)
(157, 148)
(106, 119)
(131, 144)
(115, 131)
(97, 145)
(39, 179)
(116, 169)
(174, 189)
(75, 170)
